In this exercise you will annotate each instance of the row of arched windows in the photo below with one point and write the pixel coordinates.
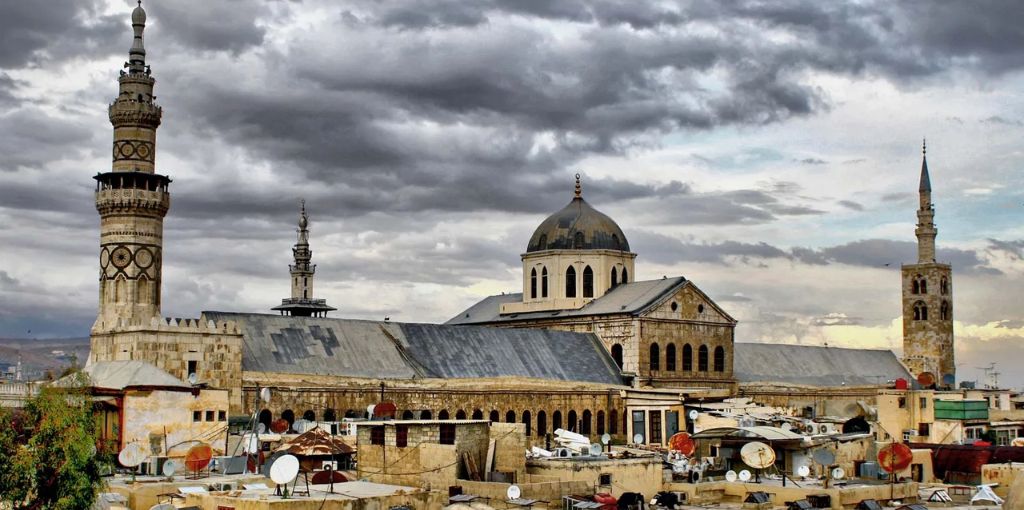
(687, 358)
(540, 281)
(586, 423)
(921, 311)
(919, 285)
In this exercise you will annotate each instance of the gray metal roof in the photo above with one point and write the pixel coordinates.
(118, 375)
(628, 298)
(392, 350)
(815, 366)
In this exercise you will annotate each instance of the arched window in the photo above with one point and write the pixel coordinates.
(617, 355)
(570, 282)
(533, 283)
(330, 415)
(426, 414)
(478, 414)
(585, 423)
(670, 357)
(655, 361)
(407, 415)
(625, 276)
(265, 418)
(702, 358)
(289, 416)
(495, 418)
(588, 282)
(944, 286)
(556, 420)
(687, 358)
(460, 415)
(915, 286)
(944, 311)
(577, 240)
(920, 311)
(924, 286)
(544, 282)
(613, 422)
(573, 421)
(600, 423)
(719, 359)
(510, 417)
(142, 290)
(443, 415)
(615, 278)
(526, 421)
(542, 423)
(309, 415)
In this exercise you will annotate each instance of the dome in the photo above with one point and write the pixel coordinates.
(578, 226)
(139, 15)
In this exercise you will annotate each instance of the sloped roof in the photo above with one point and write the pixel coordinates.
(815, 365)
(119, 375)
(392, 350)
(628, 298)
(316, 441)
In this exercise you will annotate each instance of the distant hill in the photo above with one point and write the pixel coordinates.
(39, 355)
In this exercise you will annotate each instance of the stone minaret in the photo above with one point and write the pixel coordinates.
(302, 303)
(132, 199)
(928, 299)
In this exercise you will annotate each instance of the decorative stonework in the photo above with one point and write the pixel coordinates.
(138, 150)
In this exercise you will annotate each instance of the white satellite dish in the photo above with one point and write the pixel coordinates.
(595, 449)
(170, 467)
(369, 410)
(265, 394)
(693, 414)
(193, 378)
(301, 425)
(757, 455)
(606, 438)
(513, 492)
(638, 439)
(744, 475)
(786, 426)
(838, 473)
(803, 471)
(261, 428)
(131, 455)
(284, 469)
(730, 476)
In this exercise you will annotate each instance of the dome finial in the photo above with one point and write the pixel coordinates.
(303, 218)
(924, 146)
(579, 188)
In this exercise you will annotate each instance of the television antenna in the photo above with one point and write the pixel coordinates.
(991, 376)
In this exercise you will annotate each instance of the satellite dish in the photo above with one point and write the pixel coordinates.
(1017, 441)
(693, 414)
(284, 469)
(261, 428)
(513, 492)
(949, 379)
(595, 449)
(803, 471)
(786, 426)
(926, 379)
(193, 378)
(265, 469)
(638, 439)
(170, 466)
(369, 410)
(895, 457)
(131, 456)
(606, 438)
(265, 395)
(824, 456)
(838, 473)
(682, 443)
(730, 476)
(279, 426)
(198, 457)
(744, 476)
(301, 425)
(757, 455)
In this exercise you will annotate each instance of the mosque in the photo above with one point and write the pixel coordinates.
(585, 346)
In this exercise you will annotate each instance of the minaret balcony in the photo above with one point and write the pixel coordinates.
(110, 200)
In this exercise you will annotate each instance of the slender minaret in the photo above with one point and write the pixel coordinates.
(132, 199)
(928, 299)
(302, 303)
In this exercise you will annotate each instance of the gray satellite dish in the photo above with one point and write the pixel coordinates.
(170, 467)
(513, 492)
(193, 378)
(824, 456)
(131, 456)
(744, 476)
(838, 473)
(730, 476)
(606, 438)
(284, 469)
(265, 394)
(261, 428)
(595, 449)
(803, 471)
(638, 439)
(693, 414)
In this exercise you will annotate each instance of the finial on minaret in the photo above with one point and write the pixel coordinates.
(303, 223)
(137, 54)
(579, 188)
(926, 182)
(924, 146)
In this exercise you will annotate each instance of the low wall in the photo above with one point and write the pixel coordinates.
(541, 491)
(848, 497)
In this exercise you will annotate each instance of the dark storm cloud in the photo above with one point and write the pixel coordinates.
(1013, 249)
(882, 253)
(34, 32)
(228, 25)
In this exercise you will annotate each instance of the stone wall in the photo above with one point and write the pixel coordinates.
(423, 462)
(162, 421)
(928, 343)
(643, 475)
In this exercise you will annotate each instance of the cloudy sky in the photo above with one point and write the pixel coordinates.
(768, 151)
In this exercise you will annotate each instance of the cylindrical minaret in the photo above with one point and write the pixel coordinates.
(302, 271)
(925, 230)
(132, 199)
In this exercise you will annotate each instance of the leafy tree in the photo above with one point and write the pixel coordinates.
(54, 466)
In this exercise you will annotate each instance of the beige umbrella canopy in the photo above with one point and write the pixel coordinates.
(314, 442)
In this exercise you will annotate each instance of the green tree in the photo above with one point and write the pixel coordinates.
(55, 466)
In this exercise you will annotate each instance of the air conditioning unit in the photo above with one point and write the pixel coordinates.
(909, 434)
(223, 486)
(563, 452)
(330, 464)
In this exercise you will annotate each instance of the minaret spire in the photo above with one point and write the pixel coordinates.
(137, 54)
(302, 303)
(926, 230)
